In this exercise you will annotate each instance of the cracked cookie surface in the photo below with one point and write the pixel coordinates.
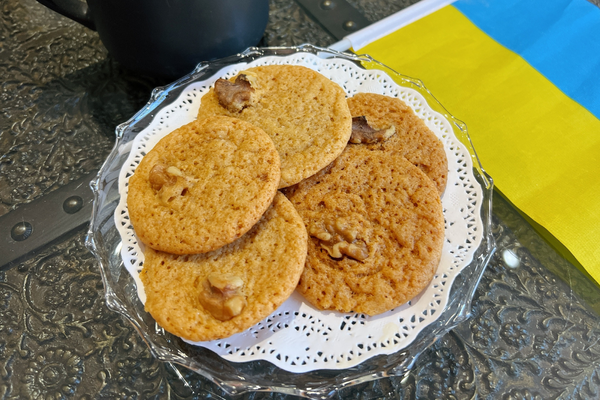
(203, 185)
(385, 207)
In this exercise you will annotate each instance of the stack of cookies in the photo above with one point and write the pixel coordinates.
(281, 183)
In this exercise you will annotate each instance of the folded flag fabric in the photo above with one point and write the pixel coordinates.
(524, 75)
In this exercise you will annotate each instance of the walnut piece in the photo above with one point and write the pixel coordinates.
(170, 183)
(174, 171)
(358, 251)
(362, 132)
(345, 230)
(319, 233)
(234, 306)
(237, 95)
(339, 237)
(226, 284)
(221, 296)
(160, 176)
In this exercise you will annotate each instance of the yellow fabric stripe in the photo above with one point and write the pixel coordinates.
(541, 147)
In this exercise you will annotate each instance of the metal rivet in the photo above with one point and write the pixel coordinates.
(327, 5)
(350, 25)
(21, 231)
(73, 204)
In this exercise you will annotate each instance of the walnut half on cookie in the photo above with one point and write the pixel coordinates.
(236, 95)
(221, 295)
(363, 132)
(339, 237)
(161, 175)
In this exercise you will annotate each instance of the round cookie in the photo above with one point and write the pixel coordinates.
(376, 231)
(268, 261)
(203, 185)
(305, 114)
(412, 138)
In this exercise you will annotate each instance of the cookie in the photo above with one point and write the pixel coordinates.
(305, 114)
(376, 231)
(214, 295)
(411, 139)
(203, 186)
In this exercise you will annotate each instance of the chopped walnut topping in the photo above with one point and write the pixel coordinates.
(169, 182)
(340, 237)
(226, 284)
(251, 77)
(174, 171)
(234, 306)
(237, 95)
(319, 233)
(343, 228)
(161, 175)
(362, 132)
(221, 296)
(358, 251)
(334, 251)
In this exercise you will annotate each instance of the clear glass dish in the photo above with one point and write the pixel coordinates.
(121, 291)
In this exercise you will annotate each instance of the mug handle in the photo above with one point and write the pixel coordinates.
(76, 10)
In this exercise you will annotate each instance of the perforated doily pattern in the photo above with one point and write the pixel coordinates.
(298, 337)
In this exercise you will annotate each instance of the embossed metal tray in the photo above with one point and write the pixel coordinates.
(106, 243)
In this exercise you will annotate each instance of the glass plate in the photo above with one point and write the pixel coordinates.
(105, 241)
(325, 339)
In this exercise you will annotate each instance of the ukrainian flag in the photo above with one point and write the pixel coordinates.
(524, 75)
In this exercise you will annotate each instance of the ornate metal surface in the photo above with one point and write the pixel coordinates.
(534, 333)
(289, 26)
(375, 10)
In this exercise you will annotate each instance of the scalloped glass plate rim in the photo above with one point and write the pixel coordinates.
(356, 337)
(400, 362)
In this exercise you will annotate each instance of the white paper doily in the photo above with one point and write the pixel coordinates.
(297, 337)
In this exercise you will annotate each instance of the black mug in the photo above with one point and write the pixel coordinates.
(168, 38)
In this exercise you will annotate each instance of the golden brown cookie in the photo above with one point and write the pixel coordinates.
(412, 139)
(376, 231)
(305, 114)
(203, 185)
(198, 297)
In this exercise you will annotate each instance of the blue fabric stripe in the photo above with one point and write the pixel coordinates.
(559, 38)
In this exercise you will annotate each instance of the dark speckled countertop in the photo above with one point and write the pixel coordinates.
(534, 331)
